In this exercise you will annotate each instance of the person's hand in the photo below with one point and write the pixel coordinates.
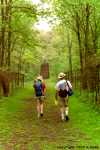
(56, 96)
(43, 93)
(56, 102)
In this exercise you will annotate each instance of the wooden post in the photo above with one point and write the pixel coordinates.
(45, 70)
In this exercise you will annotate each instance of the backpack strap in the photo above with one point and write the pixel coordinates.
(69, 86)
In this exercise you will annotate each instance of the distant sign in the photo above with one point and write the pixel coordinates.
(45, 70)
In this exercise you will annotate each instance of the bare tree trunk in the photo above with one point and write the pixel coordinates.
(8, 23)
(87, 48)
(2, 34)
(5, 33)
(9, 34)
(70, 55)
(86, 32)
(79, 40)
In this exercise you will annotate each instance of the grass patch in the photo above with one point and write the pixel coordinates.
(85, 117)
(9, 106)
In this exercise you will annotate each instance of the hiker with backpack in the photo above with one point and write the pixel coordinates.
(63, 91)
(40, 90)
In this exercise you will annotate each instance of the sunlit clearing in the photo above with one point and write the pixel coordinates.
(42, 5)
(45, 6)
(36, 1)
(43, 25)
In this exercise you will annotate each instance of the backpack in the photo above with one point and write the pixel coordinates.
(38, 88)
(65, 92)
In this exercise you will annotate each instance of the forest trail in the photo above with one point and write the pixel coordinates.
(47, 133)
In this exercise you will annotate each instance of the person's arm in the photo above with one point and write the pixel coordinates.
(43, 88)
(56, 98)
(34, 86)
(56, 95)
(57, 90)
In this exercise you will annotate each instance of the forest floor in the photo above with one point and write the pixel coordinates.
(20, 129)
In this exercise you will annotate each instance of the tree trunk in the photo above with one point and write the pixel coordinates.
(70, 55)
(9, 35)
(2, 34)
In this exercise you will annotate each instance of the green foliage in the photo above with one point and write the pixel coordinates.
(23, 32)
(31, 47)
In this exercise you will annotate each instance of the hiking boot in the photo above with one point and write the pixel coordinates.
(41, 114)
(66, 118)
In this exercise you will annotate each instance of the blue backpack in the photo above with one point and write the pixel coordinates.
(38, 87)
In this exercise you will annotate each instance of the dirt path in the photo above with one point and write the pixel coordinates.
(47, 133)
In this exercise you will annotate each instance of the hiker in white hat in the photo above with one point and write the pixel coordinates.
(62, 87)
(61, 75)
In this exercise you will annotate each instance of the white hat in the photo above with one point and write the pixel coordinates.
(39, 78)
(61, 75)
